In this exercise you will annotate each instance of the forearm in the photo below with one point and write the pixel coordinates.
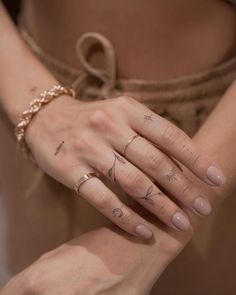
(22, 76)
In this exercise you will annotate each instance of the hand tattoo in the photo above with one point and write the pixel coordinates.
(117, 212)
(171, 175)
(147, 118)
(111, 171)
(58, 148)
(33, 88)
(148, 195)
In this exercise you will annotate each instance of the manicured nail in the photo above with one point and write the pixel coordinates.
(180, 221)
(202, 206)
(143, 231)
(215, 175)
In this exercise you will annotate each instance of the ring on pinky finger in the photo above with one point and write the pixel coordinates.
(106, 202)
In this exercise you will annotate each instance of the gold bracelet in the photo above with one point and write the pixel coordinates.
(44, 98)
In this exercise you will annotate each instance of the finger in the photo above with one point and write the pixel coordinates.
(135, 183)
(106, 202)
(174, 141)
(168, 175)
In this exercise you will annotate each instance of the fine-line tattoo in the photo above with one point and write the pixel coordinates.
(58, 148)
(171, 175)
(117, 212)
(33, 88)
(111, 171)
(147, 118)
(148, 195)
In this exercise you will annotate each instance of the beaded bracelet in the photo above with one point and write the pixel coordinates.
(44, 98)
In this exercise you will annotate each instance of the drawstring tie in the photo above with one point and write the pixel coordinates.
(106, 76)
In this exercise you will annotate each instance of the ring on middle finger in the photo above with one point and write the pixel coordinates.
(129, 142)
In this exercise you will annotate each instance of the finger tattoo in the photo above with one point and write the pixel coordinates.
(117, 212)
(58, 148)
(149, 194)
(171, 175)
(147, 118)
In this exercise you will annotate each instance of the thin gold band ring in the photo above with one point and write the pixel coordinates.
(128, 143)
(83, 179)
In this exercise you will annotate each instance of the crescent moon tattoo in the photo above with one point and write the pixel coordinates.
(117, 212)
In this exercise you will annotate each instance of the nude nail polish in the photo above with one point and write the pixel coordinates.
(215, 175)
(202, 206)
(143, 231)
(180, 221)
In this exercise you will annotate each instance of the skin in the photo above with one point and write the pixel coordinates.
(212, 151)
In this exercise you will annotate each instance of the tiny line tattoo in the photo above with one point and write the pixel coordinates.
(117, 212)
(58, 148)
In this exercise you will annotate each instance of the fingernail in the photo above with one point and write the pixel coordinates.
(215, 175)
(180, 221)
(143, 231)
(202, 206)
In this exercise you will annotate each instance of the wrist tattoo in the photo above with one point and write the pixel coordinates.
(58, 148)
(171, 175)
(117, 212)
(111, 171)
(33, 88)
(148, 195)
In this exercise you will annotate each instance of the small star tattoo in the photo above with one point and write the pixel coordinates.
(147, 118)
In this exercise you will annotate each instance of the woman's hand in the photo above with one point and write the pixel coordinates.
(70, 138)
(88, 265)
(70, 269)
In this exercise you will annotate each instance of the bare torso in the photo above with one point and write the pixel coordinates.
(153, 39)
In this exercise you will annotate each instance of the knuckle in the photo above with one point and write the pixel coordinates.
(155, 159)
(187, 191)
(196, 159)
(82, 143)
(193, 154)
(46, 255)
(101, 200)
(128, 219)
(125, 101)
(98, 118)
(34, 282)
(133, 180)
(171, 247)
(171, 134)
(163, 209)
(102, 121)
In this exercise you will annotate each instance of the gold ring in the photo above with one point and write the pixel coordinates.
(82, 179)
(128, 143)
